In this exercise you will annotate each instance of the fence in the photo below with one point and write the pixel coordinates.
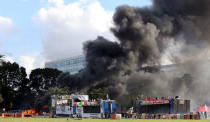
(16, 115)
(169, 116)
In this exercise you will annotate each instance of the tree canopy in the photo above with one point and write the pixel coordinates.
(18, 91)
(43, 79)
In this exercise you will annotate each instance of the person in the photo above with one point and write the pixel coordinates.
(4, 110)
(44, 113)
(198, 115)
(205, 115)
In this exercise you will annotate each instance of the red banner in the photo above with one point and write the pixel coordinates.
(146, 102)
(204, 109)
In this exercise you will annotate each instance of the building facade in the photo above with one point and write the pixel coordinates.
(72, 65)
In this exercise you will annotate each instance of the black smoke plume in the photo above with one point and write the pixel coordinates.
(42, 101)
(170, 30)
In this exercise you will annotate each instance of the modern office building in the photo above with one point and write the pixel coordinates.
(72, 65)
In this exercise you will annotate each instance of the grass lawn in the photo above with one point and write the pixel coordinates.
(90, 120)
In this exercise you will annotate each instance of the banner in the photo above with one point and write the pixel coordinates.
(204, 109)
(181, 101)
(62, 102)
(64, 97)
(63, 110)
(80, 97)
(53, 102)
(146, 102)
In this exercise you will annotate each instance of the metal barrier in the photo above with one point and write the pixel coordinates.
(169, 116)
(7, 115)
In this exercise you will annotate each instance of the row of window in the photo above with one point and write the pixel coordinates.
(72, 65)
(71, 62)
(67, 62)
(80, 66)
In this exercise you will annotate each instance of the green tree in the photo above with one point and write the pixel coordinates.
(1, 98)
(24, 98)
(7, 96)
(43, 79)
(60, 91)
(97, 93)
(12, 80)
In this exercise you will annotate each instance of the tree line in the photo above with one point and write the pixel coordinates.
(19, 91)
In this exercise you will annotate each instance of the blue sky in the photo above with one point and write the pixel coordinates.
(27, 33)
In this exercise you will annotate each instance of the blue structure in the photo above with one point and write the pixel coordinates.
(110, 107)
(106, 107)
(114, 107)
(171, 105)
(72, 65)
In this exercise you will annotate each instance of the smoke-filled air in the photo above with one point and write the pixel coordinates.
(160, 50)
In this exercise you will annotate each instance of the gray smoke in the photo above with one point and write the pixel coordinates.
(172, 30)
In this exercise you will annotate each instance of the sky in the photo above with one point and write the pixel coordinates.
(33, 32)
